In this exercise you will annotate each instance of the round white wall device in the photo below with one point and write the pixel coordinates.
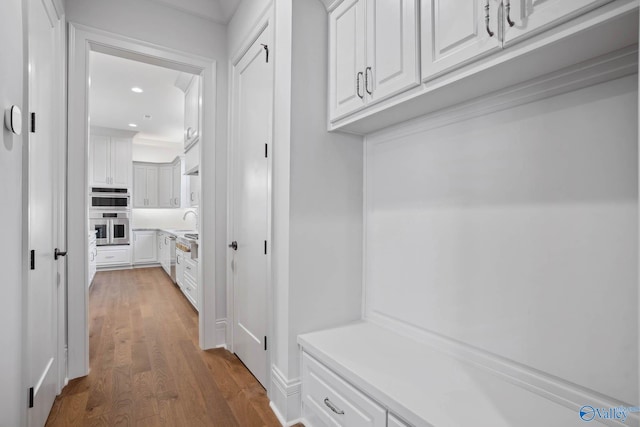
(13, 119)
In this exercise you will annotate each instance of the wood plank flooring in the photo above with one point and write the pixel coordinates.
(147, 368)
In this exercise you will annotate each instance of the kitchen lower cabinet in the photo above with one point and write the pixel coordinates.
(190, 281)
(144, 247)
(93, 257)
(113, 256)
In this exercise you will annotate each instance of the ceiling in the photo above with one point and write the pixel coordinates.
(112, 104)
(219, 11)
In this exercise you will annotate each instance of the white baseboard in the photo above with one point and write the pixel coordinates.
(285, 398)
(221, 333)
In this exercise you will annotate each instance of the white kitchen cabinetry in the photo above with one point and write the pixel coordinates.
(145, 186)
(194, 191)
(373, 53)
(93, 256)
(393, 421)
(530, 17)
(109, 161)
(190, 280)
(114, 256)
(192, 113)
(144, 247)
(177, 183)
(165, 186)
(455, 32)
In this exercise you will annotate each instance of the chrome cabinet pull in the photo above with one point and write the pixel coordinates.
(487, 18)
(366, 80)
(360, 74)
(333, 407)
(507, 7)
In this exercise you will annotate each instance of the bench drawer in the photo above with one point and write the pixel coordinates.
(328, 399)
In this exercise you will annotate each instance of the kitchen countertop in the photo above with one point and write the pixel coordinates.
(173, 232)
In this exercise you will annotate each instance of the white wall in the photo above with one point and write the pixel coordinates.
(144, 150)
(12, 60)
(516, 233)
(162, 218)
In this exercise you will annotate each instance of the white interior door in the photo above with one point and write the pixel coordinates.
(42, 316)
(252, 117)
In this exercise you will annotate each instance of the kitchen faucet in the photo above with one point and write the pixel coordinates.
(184, 217)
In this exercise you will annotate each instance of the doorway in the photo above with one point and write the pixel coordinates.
(83, 42)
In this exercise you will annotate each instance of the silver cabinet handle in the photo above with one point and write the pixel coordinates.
(367, 72)
(358, 76)
(507, 7)
(189, 133)
(333, 407)
(188, 268)
(487, 18)
(178, 260)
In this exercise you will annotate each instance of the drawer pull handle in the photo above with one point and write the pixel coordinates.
(333, 407)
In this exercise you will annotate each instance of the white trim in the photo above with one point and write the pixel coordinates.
(286, 397)
(221, 333)
(82, 40)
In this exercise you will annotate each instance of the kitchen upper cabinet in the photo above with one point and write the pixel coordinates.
(177, 183)
(192, 113)
(165, 187)
(145, 186)
(524, 18)
(455, 32)
(110, 161)
(194, 191)
(373, 53)
(392, 48)
(346, 58)
(144, 247)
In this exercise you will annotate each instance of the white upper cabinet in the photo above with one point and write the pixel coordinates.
(192, 113)
(392, 48)
(145, 186)
(346, 58)
(454, 32)
(177, 183)
(524, 18)
(165, 186)
(373, 52)
(109, 161)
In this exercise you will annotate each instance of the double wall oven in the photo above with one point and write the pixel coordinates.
(109, 215)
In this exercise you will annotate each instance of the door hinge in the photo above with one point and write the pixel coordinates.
(265, 343)
(265, 247)
(31, 397)
(33, 122)
(266, 150)
(33, 259)
(266, 50)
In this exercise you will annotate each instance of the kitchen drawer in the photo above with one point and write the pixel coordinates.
(191, 271)
(114, 255)
(190, 292)
(329, 400)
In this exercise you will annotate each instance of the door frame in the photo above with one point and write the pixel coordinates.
(83, 40)
(262, 24)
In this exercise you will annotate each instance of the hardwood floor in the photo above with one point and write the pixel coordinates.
(147, 368)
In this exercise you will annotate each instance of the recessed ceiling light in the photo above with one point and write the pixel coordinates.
(133, 125)
(136, 89)
(147, 116)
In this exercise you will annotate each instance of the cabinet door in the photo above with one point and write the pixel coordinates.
(533, 16)
(192, 113)
(152, 186)
(346, 58)
(176, 182)
(99, 158)
(392, 48)
(456, 31)
(165, 186)
(121, 162)
(139, 186)
(194, 191)
(144, 247)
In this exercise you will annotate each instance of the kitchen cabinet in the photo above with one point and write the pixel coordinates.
(145, 186)
(180, 256)
(93, 256)
(113, 256)
(373, 53)
(177, 183)
(455, 32)
(192, 113)
(109, 161)
(166, 253)
(190, 280)
(144, 247)
(530, 17)
(165, 186)
(194, 192)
